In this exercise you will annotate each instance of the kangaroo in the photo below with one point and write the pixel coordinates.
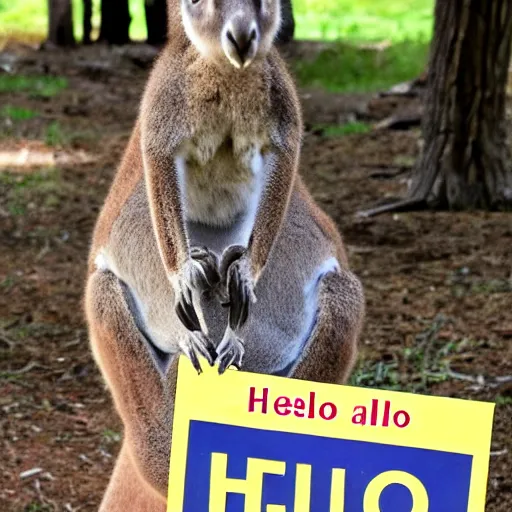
(208, 243)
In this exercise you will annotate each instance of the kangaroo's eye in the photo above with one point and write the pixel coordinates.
(195, 1)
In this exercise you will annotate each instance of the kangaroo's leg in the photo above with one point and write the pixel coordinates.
(125, 493)
(141, 380)
(330, 353)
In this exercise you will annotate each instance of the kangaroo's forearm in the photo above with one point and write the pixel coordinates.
(272, 208)
(166, 209)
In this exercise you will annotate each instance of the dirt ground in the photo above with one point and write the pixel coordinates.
(438, 285)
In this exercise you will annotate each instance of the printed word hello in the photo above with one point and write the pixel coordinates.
(252, 487)
(284, 406)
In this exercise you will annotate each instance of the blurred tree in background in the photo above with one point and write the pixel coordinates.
(60, 23)
(466, 159)
(87, 22)
(156, 21)
(115, 22)
(465, 162)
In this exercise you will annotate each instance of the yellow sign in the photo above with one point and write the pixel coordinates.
(245, 442)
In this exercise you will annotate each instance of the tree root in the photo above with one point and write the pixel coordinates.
(405, 205)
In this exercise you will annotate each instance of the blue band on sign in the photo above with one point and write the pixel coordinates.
(445, 476)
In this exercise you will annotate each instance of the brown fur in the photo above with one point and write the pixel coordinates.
(210, 101)
(129, 174)
(207, 137)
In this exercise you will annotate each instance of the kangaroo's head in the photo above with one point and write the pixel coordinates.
(234, 31)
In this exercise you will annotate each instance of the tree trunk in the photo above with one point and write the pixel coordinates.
(115, 22)
(288, 23)
(60, 16)
(156, 21)
(465, 162)
(87, 22)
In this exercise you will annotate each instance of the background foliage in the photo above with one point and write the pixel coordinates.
(361, 20)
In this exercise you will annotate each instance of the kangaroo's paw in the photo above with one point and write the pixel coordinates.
(196, 343)
(199, 274)
(230, 351)
(207, 265)
(239, 285)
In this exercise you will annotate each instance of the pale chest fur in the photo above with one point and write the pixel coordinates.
(221, 165)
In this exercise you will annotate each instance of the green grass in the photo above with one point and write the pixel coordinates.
(55, 135)
(353, 20)
(45, 86)
(42, 187)
(111, 436)
(345, 68)
(364, 20)
(17, 113)
(415, 369)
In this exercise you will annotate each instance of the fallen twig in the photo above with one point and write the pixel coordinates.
(25, 369)
(3, 338)
(30, 472)
(45, 250)
(399, 122)
(476, 379)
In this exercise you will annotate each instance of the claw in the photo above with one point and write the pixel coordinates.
(187, 295)
(207, 264)
(212, 276)
(196, 343)
(205, 347)
(230, 351)
(188, 316)
(199, 274)
(244, 308)
(239, 298)
(237, 294)
(231, 254)
(226, 363)
(195, 361)
(209, 353)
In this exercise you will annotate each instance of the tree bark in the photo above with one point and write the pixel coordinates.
(87, 22)
(60, 16)
(287, 29)
(156, 21)
(465, 162)
(115, 22)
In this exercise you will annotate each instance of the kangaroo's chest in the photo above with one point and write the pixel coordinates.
(222, 165)
(221, 174)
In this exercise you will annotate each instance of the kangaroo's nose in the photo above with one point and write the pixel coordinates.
(242, 44)
(242, 41)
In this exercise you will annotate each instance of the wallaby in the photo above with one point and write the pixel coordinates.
(209, 243)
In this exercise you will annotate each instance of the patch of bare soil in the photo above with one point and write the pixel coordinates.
(438, 285)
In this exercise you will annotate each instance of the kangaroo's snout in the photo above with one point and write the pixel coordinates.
(240, 42)
(231, 33)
